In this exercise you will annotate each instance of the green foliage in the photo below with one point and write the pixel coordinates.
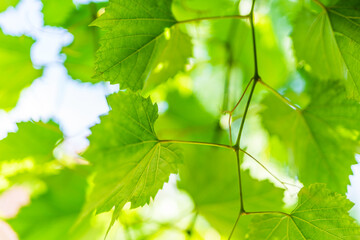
(320, 214)
(194, 59)
(53, 213)
(317, 134)
(80, 53)
(140, 46)
(15, 53)
(329, 42)
(4, 4)
(215, 195)
(131, 163)
(33, 140)
(56, 12)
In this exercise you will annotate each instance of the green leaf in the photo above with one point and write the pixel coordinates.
(4, 4)
(52, 214)
(34, 140)
(329, 43)
(130, 163)
(56, 12)
(320, 136)
(191, 9)
(80, 57)
(320, 214)
(141, 44)
(15, 55)
(215, 189)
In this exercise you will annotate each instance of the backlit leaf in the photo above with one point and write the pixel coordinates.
(130, 163)
(15, 55)
(56, 12)
(52, 214)
(4, 4)
(143, 45)
(320, 214)
(329, 42)
(34, 140)
(317, 136)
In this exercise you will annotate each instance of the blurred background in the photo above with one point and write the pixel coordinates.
(60, 92)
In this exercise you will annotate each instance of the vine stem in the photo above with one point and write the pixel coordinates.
(281, 97)
(198, 143)
(214, 18)
(255, 79)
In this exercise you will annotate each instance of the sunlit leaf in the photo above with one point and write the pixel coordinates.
(52, 214)
(141, 44)
(130, 163)
(15, 55)
(56, 12)
(318, 136)
(33, 140)
(320, 214)
(4, 4)
(329, 42)
(80, 54)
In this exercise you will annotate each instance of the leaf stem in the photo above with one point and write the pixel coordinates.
(242, 96)
(198, 143)
(214, 18)
(281, 97)
(263, 166)
(236, 222)
(245, 113)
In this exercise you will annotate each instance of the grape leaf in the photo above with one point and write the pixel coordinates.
(35, 140)
(80, 53)
(15, 54)
(320, 214)
(4, 4)
(215, 189)
(141, 44)
(192, 9)
(329, 43)
(56, 12)
(51, 215)
(317, 135)
(130, 163)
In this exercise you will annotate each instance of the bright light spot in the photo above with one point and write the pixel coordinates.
(127, 206)
(163, 106)
(167, 33)
(159, 67)
(245, 7)
(100, 12)
(4, 183)
(224, 121)
(12, 200)
(184, 84)
(15, 167)
(211, 234)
